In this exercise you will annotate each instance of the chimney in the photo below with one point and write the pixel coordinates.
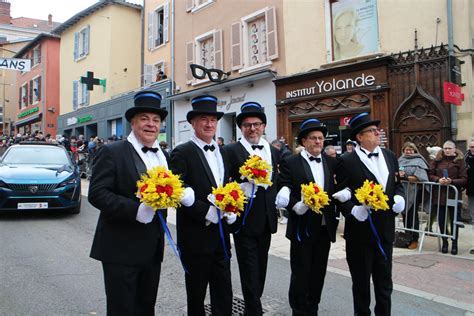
(5, 17)
(50, 19)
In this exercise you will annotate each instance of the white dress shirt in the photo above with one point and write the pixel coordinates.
(150, 159)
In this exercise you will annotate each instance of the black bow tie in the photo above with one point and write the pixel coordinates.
(257, 147)
(318, 160)
(145, 149)
(372, 155)
(209, 147)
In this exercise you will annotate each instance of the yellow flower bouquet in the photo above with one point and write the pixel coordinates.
(256, 170)
(160, 188)
(372, 195)
(314, 196)
(229, 198)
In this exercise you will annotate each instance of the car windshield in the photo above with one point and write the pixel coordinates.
(36, 155)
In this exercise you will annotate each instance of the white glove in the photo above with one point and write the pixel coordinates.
(211, 215)
(230, 218)
(342, 196)
(246, 187)
(145, 214)
(283, 197)
(399, 204)
(188, 197)
(360, 212)
(300, 208)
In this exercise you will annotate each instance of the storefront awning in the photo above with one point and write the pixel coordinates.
(30, 119)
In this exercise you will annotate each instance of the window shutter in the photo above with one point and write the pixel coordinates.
(83, 94)
(76, 45)
(30, 95)
(166, 13)
(39, 53)
(150, 30)
(156, 33)
(75, 87)
(19, 98)
(39, 88)
(87, 40)
(217, 38)
(189, 5)
(189, 61)
(88, 96)
(272, 36)
(147, 74)
(236, 46)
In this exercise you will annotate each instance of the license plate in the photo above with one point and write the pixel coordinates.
(27, 206)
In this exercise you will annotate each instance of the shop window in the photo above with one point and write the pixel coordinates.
(158, 22)
(80, 95)
(36, 91)
(36, 56)
(206, 50)
(254, 41)
(196, 5)
(81, 43)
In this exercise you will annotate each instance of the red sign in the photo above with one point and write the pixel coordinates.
(344, 121)
(452, 93)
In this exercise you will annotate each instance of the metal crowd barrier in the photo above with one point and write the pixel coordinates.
(429, 207)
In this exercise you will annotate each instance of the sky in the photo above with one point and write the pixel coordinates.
(61, 10)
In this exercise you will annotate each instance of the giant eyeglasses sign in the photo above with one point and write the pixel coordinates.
(214, 75)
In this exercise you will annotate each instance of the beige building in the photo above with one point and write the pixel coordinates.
(102, 42)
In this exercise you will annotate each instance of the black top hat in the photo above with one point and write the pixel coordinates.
(251, 109)
(310, 125)
(359, 122)
(204, 105)
(146, 101)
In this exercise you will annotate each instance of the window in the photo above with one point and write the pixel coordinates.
(81, 43)
(154, 73)
(158, 26)
(254, 40)
(36, 89)
(206, 50)
(80, 95)
(196, 5)
(23, 96)
(36, 56)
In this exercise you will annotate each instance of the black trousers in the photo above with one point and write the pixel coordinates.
(252, 256)
(412, 221)
(131, 290)
(442, 220)
(366, 260)
(212, 270)
(308, 262)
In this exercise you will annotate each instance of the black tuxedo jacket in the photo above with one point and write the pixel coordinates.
(295, 171)
(263, 205)
(119, 237)
(194, 237)
(352, 173)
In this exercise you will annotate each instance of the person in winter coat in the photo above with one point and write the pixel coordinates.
(469, 159)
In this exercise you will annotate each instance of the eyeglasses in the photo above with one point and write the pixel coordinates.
(254, 125)
(448, 148)
(371, 130)
(313, 138)
(215, 75)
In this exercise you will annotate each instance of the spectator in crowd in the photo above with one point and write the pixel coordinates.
(432, 152)
(413, 168)
(282, 147)
(330, 151)
(447, 168)
(469, 159)
(220, 141)
(164, 146)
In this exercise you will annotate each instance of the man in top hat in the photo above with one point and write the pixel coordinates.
(129, 237)
(365, 259)
(204, 248)
(252, 236)
(310, 233)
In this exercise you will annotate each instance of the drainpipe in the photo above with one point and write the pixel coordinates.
(454, 123)
(173, 85)
(142, 50)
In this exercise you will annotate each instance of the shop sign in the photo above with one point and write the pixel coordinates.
(15, 64)
(77, 120)
(30, 111)
(332, 85)
(344, 121)
(452, 93)
(232, 100)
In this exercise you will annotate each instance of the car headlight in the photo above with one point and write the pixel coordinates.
(3, 184)
(72, 180)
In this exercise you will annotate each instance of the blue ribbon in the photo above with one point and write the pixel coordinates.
(221, 233)
(298, 230)
(377, 237)
(306, 232)
(176, 250)
(247, 209)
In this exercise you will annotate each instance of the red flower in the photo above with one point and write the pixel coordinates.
(372, 185)
(219, 197)
(234, 194)
(316, 190)
(230, 208)
(159, 189)
(165, 175)
(256, 172)
(169, 190)
(263, 173)
(143, 188)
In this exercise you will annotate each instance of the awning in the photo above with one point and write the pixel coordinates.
(30, 119)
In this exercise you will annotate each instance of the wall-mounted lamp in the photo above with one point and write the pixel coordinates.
(51, 109)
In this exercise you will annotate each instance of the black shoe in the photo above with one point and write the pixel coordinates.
(444, 248)
(454, 248)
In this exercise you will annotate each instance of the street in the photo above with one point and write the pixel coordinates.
(45, 269)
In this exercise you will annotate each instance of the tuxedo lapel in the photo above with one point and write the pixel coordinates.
(307, 170)
(137, 161)
(326, 174)
(205, 165)
(391, 171)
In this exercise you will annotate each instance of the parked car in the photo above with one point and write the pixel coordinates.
(39, 176)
